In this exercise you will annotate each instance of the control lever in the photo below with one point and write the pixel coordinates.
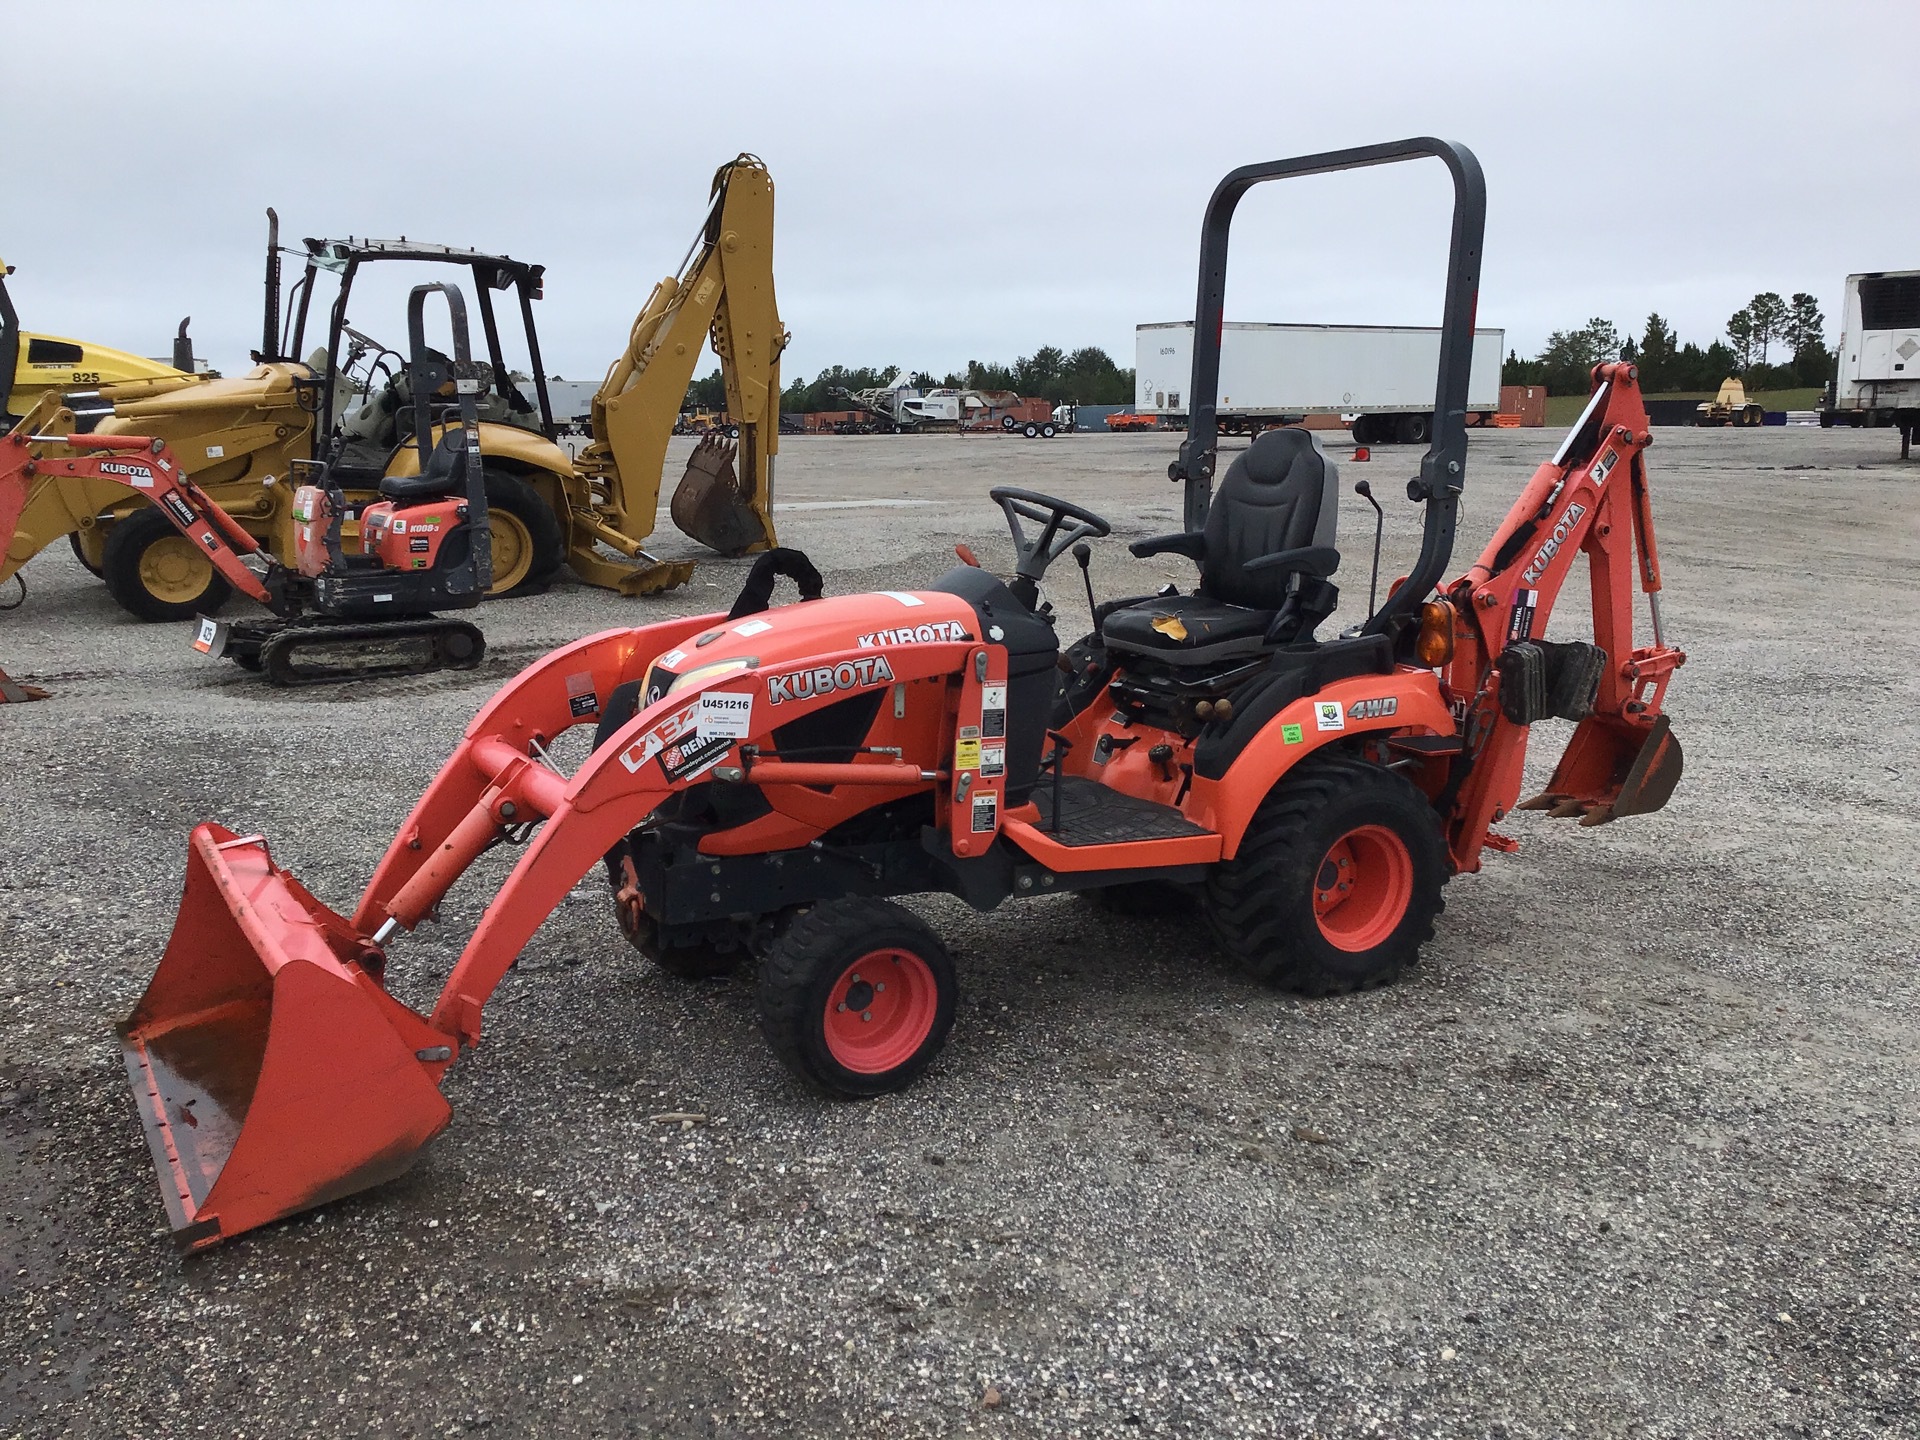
(1083, 553)
(1365, 492)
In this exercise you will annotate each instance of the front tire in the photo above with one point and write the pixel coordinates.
(89, 547)
(1336, 883)
(705, 961)
(857, 997)
(156, 573)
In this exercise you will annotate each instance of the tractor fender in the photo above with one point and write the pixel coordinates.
(1407, 702)
(497, 442)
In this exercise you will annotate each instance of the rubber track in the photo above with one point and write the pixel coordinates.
(1243, 904)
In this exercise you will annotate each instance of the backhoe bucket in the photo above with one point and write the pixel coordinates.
(1612, 768)
(271, 1070)
(709, 506)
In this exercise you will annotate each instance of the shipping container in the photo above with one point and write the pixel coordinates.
(1877, 372)
(1380, 375)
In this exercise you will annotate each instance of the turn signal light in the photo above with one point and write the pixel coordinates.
(1435, 645)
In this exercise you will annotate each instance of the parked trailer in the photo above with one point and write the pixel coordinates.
(1877, 375)
(1269, 374)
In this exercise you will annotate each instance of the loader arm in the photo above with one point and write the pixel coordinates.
(35, 487)
(1591, 499)
(724, 291)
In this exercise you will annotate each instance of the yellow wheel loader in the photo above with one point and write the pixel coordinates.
(248, 441)
(32, 365)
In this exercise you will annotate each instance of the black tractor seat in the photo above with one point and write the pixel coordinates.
(1264, 559)
(446, 472)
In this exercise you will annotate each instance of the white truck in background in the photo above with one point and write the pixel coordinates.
(1382, 375)
(1876, 377)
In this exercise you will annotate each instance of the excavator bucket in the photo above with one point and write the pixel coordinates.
(1612, 769)
(272, 1071)
(710, 505)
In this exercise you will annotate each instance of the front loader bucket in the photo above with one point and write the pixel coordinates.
(271, 1070)
(1612, 768)
(708, 504)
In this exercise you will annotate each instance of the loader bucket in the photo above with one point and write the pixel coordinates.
(709, 505)
(1612, 768)
(271, 1071)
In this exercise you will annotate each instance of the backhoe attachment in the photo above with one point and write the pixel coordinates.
(723, 293)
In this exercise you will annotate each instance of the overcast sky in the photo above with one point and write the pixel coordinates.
(958, 181)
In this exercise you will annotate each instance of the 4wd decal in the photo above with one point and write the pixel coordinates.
(825, 679)
(1373, 709)
(916, 634)
(1551, 547)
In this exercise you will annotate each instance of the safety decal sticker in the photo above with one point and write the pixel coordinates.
(825, 679)
(914, 634)
(993, 697)
(689, 757)
(985, 807)
(993, 761)
(724, 716)
(751, 627)
(672, 658)
(1292, 734)
(1328, 715)
(399, 526)
(966, 755)
(1520, 623)
(581, 699)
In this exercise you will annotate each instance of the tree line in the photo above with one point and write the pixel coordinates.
(1087, 376)
(1766, 326)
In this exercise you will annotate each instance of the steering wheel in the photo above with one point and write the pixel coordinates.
(1055, 539)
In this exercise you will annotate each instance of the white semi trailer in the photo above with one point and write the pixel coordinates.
(1877, 373)
(1382, 375)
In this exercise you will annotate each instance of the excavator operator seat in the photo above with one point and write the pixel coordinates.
(445, 474)
(1279, 495)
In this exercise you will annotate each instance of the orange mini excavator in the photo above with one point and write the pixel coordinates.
(766, 781)
(425, 545)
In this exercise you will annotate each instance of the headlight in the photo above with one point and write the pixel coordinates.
(708, 672)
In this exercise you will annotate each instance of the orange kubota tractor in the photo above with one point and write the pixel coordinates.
(766, 780)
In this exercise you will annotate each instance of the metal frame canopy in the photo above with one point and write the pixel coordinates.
(285, 339)
(1443, 469)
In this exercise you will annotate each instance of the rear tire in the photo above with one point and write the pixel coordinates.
(528, 545)
(689, 962)
(857, 997)
(1047, 432)
(1336, 883)
(158, 574)
(1416, 429)
(1030, 430)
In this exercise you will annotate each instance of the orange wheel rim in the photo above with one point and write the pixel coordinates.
(1363, 888)
(880, 1011)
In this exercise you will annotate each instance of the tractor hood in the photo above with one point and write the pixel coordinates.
(807, 648)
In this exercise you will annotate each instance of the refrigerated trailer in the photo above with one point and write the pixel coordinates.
(1877, 372)
(1379, 375)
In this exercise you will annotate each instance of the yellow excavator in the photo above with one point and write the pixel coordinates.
(33, 365)
(248, 441)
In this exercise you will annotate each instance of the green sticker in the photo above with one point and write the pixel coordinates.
(1291, 734)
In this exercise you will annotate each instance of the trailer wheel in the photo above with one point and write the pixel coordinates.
(1337, 880)
(1417, 428)
(156, 573)
(857, 997)
(1009, 424)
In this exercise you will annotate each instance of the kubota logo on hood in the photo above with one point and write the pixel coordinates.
(916, 634)
(825, 679)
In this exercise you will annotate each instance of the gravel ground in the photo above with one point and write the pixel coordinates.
(1633, 1152)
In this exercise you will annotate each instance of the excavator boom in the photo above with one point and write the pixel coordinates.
(724, 291)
